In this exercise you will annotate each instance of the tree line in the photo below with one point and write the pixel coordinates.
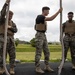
(32, 42)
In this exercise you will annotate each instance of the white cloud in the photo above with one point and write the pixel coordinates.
(25, 12)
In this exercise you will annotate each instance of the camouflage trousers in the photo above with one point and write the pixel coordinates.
(69, 42)
(41, 44)
(10, 50)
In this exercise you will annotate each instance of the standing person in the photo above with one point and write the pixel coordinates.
(40, 38)
(11, 29)
(69, 37)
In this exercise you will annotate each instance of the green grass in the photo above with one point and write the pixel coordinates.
(26, 53)
(30, 56)
(29, 48)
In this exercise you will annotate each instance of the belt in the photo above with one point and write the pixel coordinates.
(7, 35)
(41, 31)
(70, 34)
(1, 34)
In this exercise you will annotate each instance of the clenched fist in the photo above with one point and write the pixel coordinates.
(7, 1)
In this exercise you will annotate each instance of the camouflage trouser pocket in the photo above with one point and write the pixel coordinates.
(38, 43)
(73, 38)
(66, 38)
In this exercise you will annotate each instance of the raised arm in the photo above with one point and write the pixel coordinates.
(54, 16)
(3, 11)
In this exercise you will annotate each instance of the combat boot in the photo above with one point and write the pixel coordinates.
(12, 71)
(39, 70)
(2, 70)
(73, 66)
(47, 68)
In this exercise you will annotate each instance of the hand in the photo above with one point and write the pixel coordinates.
(7, 1)
(60, 10)
(9, 26)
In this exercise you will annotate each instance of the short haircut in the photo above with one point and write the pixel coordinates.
(70, 13)
(10, 12)
(45, 8)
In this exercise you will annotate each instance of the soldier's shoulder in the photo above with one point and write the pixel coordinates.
(40, 16)
(74, 21)
(13, 23)
(64, 23)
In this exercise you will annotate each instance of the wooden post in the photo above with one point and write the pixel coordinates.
(5, 41)
(62, 43)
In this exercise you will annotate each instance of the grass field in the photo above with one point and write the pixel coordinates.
(29, 48)
(30, 56)
(26, 53)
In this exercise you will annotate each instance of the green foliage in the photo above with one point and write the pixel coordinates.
(30, 56)
(32, 42)
(16, 42)
(25, 49)
(26, 53)
(29, 48)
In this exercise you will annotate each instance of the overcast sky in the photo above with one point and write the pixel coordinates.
(25, 12)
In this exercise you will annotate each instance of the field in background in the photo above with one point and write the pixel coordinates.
(26, 53)
(29, 48)
(30, 56)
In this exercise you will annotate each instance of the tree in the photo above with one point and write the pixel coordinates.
(32, 42)
(16, 42)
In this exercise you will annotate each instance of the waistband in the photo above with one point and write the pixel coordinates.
(7, 35)
(41, 31)
(1, 34)
(68, 34)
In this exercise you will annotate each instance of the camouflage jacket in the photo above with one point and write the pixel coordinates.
(11, 30)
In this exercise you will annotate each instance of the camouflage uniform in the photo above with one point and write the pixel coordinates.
(41, 43)
(41, 40)
(69, 42)
(10, 39)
